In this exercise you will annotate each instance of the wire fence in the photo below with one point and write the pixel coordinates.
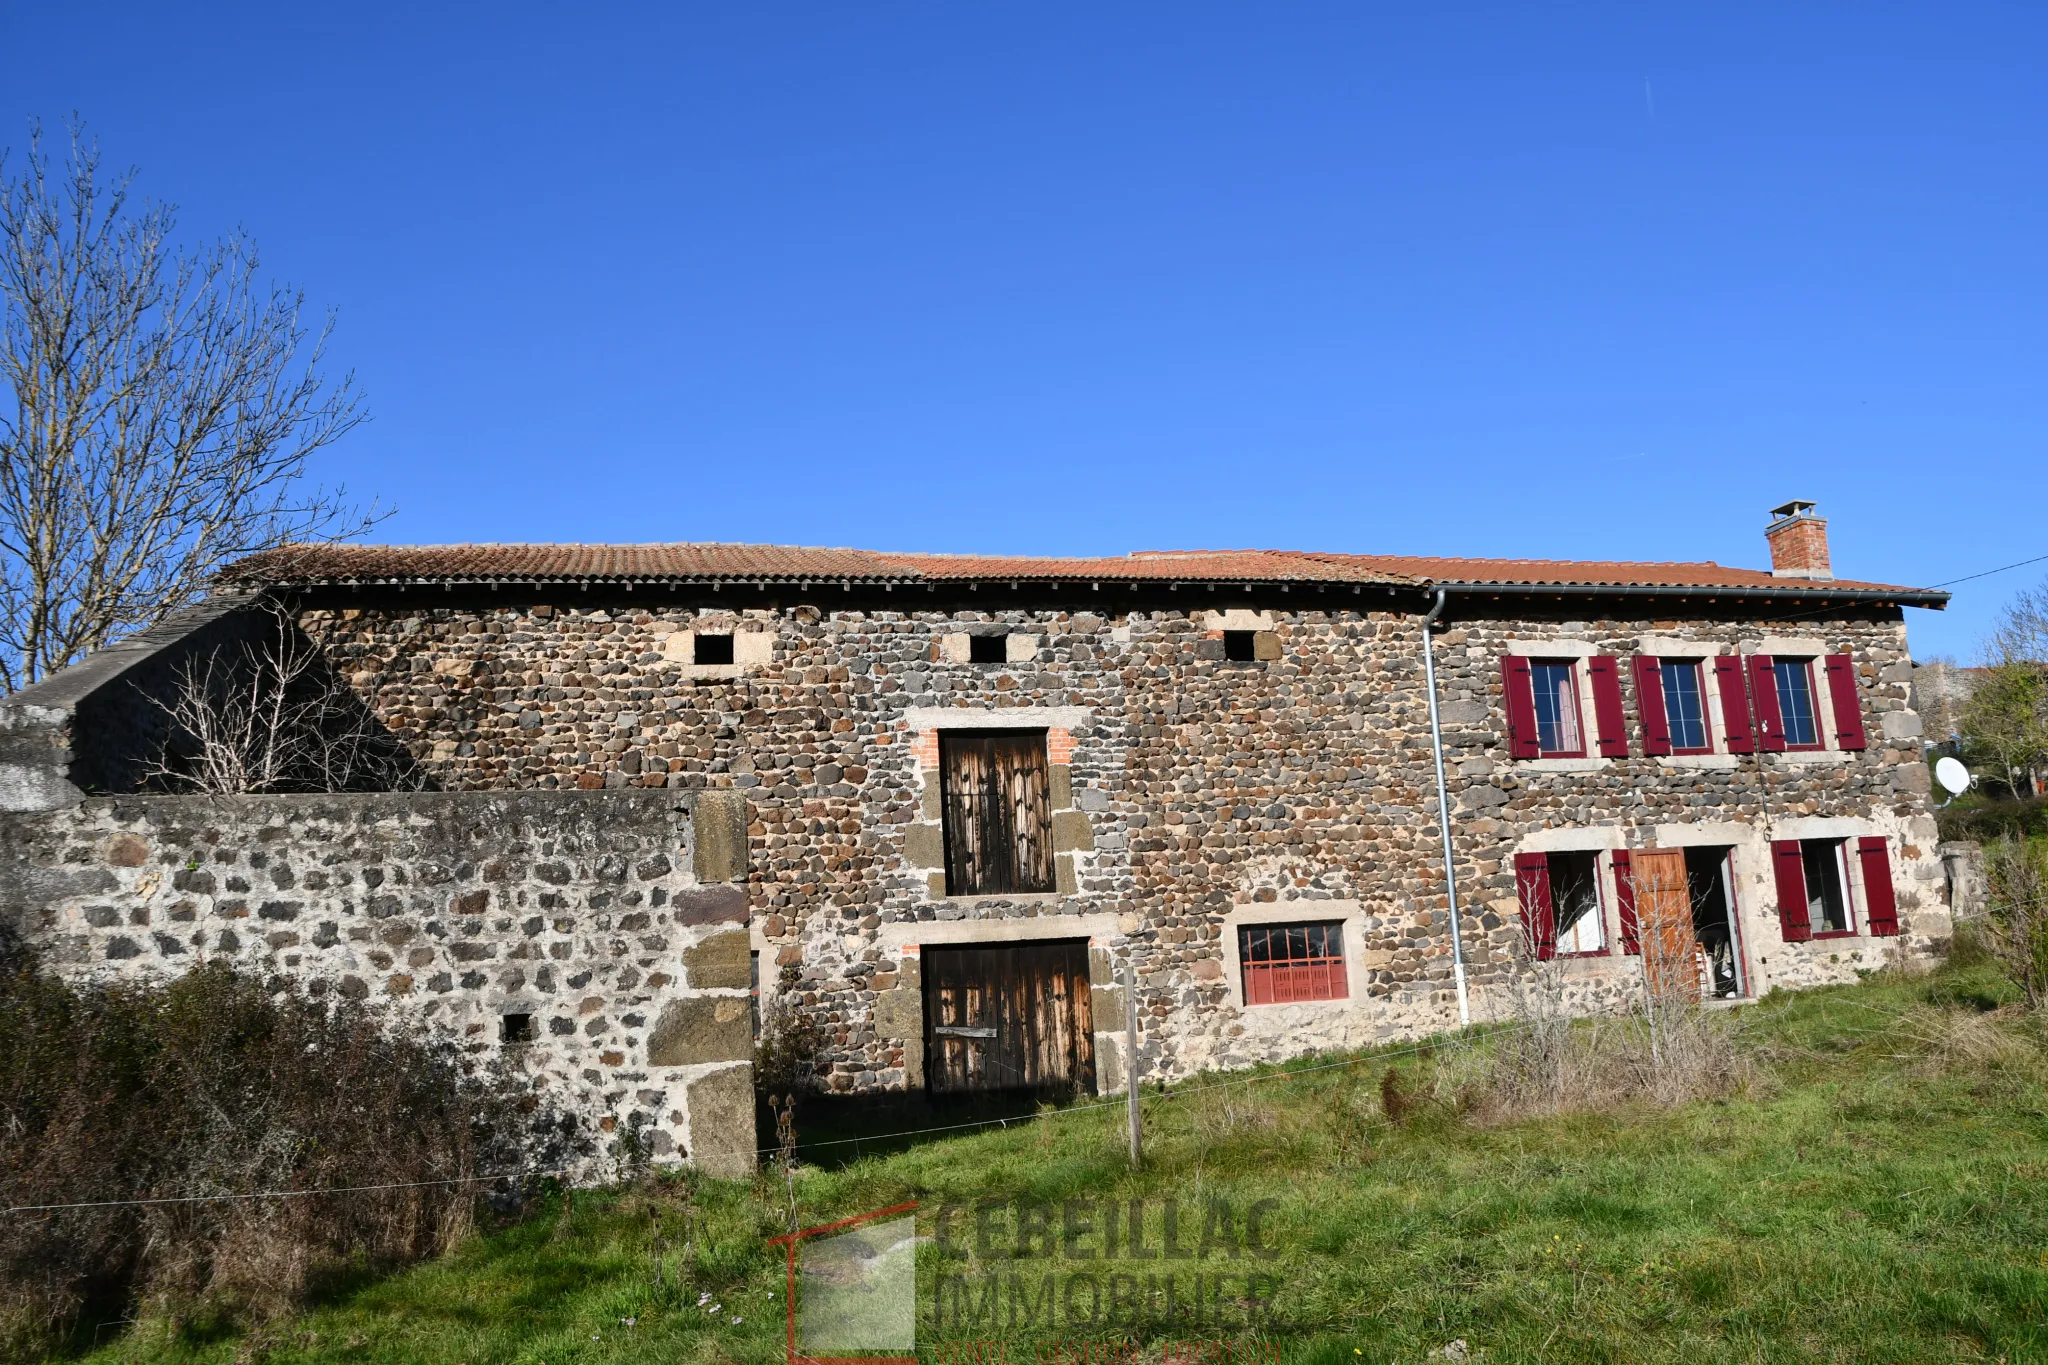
(1166, 1093)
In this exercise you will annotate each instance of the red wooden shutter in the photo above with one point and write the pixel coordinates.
(1763, 690)
(1625, 901)
(1520, 695)
(1734, 691)
(1650, 703)
(1879, 901)
(1532, 889)
(1848, 704)
(1790, 865)
(1605, 670)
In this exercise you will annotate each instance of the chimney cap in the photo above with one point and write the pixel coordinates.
(1796, 507)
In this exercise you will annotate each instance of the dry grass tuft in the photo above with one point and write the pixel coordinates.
(1545, 1061)
(1954, 1039)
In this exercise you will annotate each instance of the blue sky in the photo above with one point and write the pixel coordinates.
(1605, 282)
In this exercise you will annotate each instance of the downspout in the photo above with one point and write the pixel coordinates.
(1443, 805)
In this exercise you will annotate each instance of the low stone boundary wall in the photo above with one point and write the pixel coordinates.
(593, 939)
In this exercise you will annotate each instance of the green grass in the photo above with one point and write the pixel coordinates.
(1881, 1194)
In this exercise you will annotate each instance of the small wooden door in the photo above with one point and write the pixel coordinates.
(1664, 919)
(998, 816)
(1008, 1017)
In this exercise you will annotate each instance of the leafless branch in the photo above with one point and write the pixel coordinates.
(269, 715)
(158, 407)
(2022, 631)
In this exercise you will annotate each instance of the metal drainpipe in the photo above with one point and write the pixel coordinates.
(1443, 806)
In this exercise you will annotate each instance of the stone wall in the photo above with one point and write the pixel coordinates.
(609, 918)
(1193, 794)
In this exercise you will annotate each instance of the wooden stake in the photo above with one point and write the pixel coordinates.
(1131, 1054)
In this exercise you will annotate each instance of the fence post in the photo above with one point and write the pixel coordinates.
(1131, 1053)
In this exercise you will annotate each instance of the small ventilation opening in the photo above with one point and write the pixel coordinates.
(1239, 646)
(515, 1028)
(714, 649)
(988, 649)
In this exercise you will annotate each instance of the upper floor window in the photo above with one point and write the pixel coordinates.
(711, 649)
(988, 649)
(1685, 706)
(1241, 646)
(997, 811)
(1796, 711)
(1547, 712)
(1288, 962)
(1556, 690)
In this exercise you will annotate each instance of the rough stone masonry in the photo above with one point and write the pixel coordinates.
(1232, 743)
(596, 940)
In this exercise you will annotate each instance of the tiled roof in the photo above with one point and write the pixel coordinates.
(781, 563)
(1582, 573)
(796, 563)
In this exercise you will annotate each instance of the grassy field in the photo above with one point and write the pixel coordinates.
(1879, 1192)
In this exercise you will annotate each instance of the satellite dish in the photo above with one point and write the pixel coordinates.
(1952, 775)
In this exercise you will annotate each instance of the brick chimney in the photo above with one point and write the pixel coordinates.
(1799, 542)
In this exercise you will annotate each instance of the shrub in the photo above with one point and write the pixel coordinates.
(1987, 819)
(2015, 925)
(219, 1084)
(786, 1059)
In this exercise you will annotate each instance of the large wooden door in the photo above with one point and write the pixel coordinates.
(997, 812)
(1664, 919)
(1008, 1017)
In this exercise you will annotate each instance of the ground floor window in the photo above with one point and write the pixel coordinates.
(1575, 902)
(1284, 963)
(1813, 887)
(1827, 898)
(1561, 906)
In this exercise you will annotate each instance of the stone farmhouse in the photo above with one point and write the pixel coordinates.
(970, 798)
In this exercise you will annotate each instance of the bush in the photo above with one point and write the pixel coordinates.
(1988, 819)
(2015, 926)
(218, 1084)
(786, 1058)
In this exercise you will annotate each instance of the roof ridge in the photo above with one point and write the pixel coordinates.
(739, 561)
(1519, 559)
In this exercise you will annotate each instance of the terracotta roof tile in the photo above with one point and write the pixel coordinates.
(342, 562)
(784, 563)
(332, 563)
(1595, 573)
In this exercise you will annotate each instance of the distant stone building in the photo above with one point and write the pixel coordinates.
(967, 797)
(1940, 691)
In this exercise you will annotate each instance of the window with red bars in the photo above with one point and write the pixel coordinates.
(1284, 963)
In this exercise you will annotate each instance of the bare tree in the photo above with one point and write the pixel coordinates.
(2022, 631)
(2005, 721)
(270, 715)
(157, 410)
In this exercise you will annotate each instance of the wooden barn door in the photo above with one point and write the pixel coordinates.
(1008, 1017)
(1664, 917)
(998, 813)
